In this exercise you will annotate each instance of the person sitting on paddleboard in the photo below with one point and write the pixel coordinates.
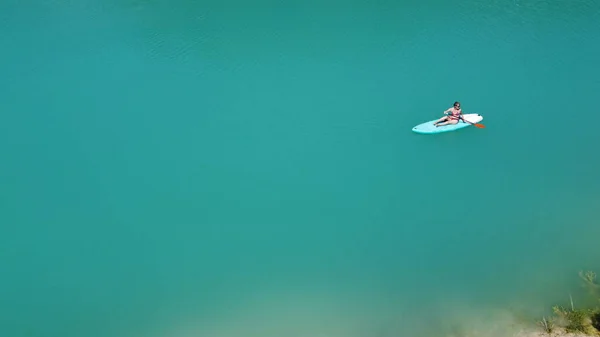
(453, 115)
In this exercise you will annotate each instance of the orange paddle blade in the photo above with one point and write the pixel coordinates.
(481, 126)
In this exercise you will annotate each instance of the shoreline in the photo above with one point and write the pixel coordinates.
(569, 321)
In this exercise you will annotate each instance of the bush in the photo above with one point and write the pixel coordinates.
(586, 321)
(595, 319)
(576, 320)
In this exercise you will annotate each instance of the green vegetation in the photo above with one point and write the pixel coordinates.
(547, 325)
(577, 320)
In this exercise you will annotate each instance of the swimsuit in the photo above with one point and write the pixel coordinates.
(455, 115)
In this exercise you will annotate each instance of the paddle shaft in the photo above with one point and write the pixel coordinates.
(466, 121)
(477, 125)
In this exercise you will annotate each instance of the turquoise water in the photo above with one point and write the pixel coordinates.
(226, 169)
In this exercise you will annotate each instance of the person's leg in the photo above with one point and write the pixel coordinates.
(449, 121)
(445, 118)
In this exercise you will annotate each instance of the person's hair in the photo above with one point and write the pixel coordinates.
(455, 103)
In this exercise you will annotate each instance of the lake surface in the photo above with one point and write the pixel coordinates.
(221, 168)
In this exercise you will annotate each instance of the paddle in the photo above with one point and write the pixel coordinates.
(477, 125)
